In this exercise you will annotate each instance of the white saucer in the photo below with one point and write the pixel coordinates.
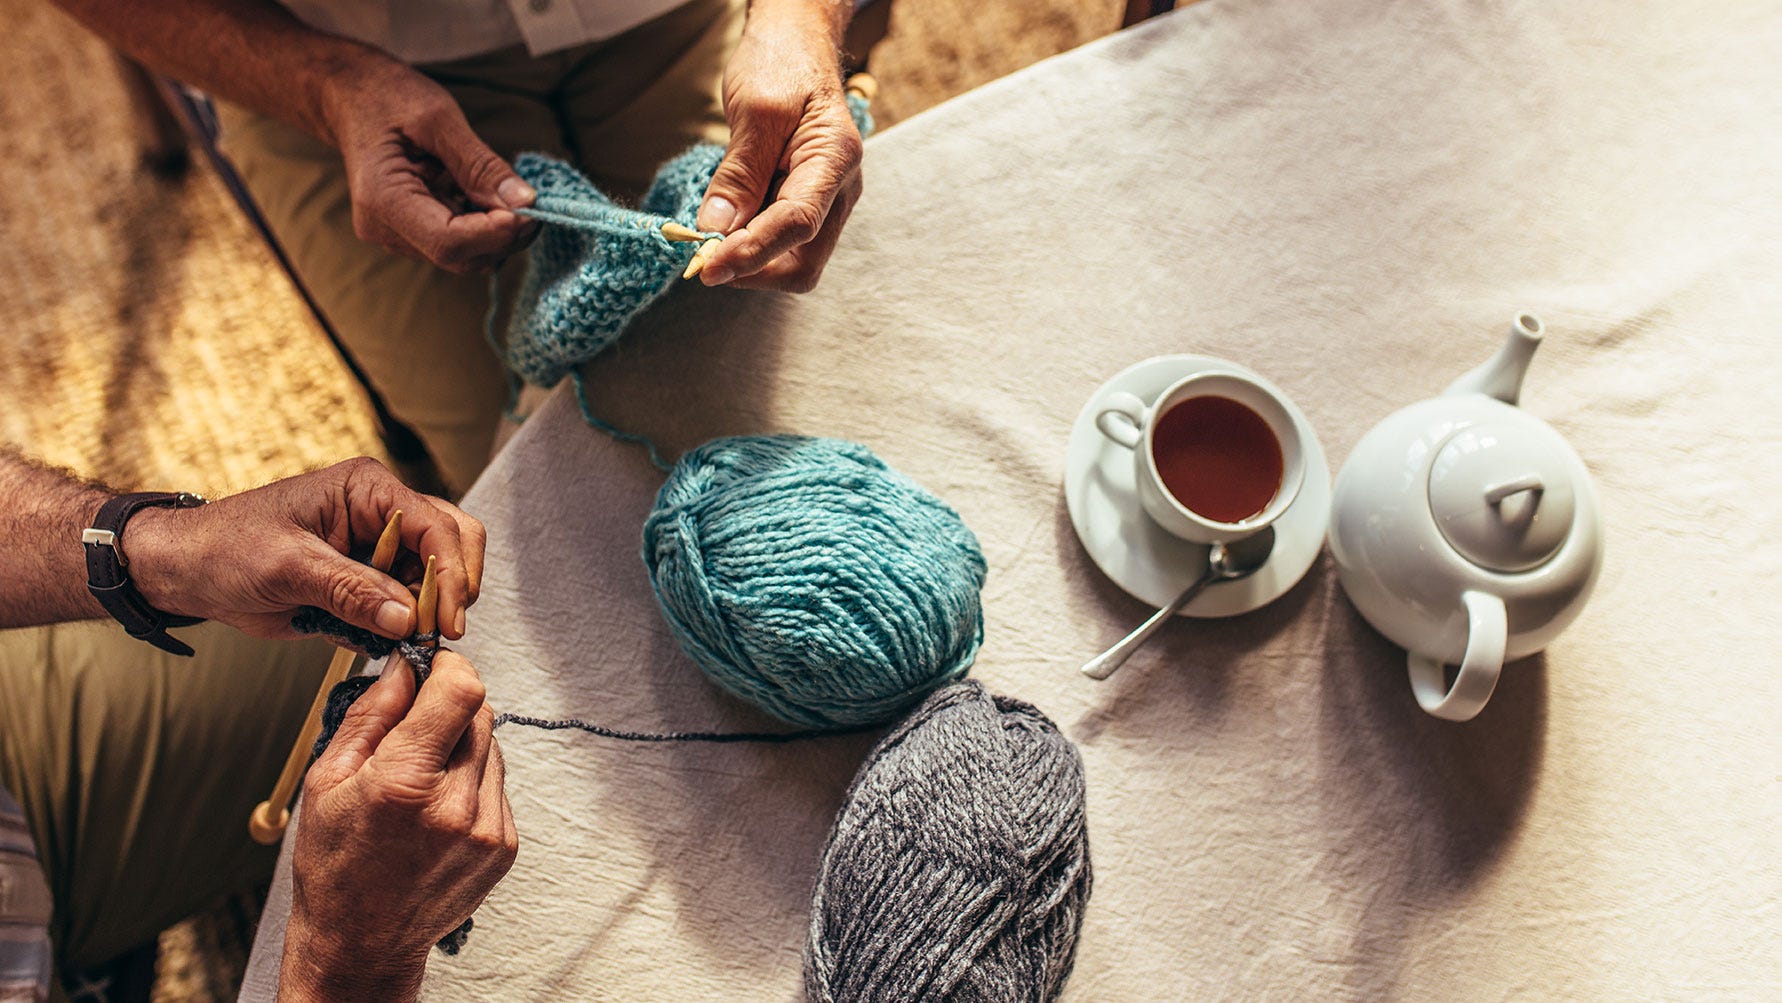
(1135, 552)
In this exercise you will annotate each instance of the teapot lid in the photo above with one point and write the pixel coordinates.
(1503, 498)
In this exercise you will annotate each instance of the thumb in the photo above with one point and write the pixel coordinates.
(487, 179)
(367, 722)
(740, 184)
(361, 595)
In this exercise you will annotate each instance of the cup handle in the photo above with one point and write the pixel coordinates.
(1122, 418)
(1487, 633)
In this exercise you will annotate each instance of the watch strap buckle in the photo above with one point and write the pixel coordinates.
(105, 538)
(110, 584)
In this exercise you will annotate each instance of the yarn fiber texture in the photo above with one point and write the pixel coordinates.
(315, 620)
(593, 266)
(958, 868)
(808, 577)
(596, 263)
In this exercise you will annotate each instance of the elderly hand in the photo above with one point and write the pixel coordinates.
(789, 123)
(423, 184)
(252, 559)
(405, 829)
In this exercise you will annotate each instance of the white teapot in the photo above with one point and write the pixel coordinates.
(1466, 530)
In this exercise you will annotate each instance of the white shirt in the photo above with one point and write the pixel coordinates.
(430, 31)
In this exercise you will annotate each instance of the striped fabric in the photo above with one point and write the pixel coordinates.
(24, 912)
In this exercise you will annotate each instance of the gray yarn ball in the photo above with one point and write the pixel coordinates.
(958, 868)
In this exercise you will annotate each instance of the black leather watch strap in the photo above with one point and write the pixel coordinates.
(108, 569)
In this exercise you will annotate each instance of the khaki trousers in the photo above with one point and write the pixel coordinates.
(617, 108)
(137, 770)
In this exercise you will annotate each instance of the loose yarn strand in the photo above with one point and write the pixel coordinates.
(597, 422)
(490, 318)
(713, 737)
(491, 323)
(609, 218)
(418, 651)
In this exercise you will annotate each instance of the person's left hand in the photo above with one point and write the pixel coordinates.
(789, 123)
(251, 560)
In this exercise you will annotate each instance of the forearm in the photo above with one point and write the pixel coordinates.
(251, 52)
(313, 970)
(830, 17)
(43, 575)
(305, 978)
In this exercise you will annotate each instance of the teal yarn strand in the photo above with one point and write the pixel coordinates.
(808, 577)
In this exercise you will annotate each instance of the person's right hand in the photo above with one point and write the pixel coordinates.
(405, 828)
(423, 183)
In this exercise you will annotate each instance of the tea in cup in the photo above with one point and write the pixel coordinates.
(1216, 457)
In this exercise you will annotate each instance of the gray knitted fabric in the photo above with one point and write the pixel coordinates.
(958, 868)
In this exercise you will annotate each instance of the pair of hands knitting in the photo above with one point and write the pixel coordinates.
(405, 823)
(424, 185)
(406, 827)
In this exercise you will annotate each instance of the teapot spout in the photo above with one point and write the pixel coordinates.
(1501, 375)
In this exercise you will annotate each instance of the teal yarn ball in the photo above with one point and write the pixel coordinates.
(808, 577)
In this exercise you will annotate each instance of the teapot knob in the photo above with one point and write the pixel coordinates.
(1497, 494)
(1502, 495)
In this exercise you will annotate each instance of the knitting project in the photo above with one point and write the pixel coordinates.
(958, 868)
(811, 579)
(597, 264)
(418, 652)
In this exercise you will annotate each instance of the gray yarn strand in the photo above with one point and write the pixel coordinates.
(958, 868)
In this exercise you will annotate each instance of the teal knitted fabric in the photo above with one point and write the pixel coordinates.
(597, 264)
(807, 576)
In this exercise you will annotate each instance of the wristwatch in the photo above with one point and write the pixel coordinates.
(108, 576)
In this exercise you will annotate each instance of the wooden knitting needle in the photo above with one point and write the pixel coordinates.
(681, 234)
(697, 265)
(864, 86)
(267, 823)
(427, 604)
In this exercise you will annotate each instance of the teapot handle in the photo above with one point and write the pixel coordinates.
(1487, 633)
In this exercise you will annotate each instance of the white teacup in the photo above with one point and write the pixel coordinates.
(1132, 423)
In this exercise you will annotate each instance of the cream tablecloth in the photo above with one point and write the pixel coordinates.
(1352, 198)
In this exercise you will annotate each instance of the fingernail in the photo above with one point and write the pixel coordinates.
(458, 624)
(391, 660)
(717, 214)
(393, 618)
(516, 193)
(717, 276)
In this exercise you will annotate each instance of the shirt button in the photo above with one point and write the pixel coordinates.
(538, 6)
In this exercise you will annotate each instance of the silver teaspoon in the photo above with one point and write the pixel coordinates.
(1226, 562)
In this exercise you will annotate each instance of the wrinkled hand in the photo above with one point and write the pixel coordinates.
(252, 559)
(789, 123)
(405, 829)
(423, 184)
